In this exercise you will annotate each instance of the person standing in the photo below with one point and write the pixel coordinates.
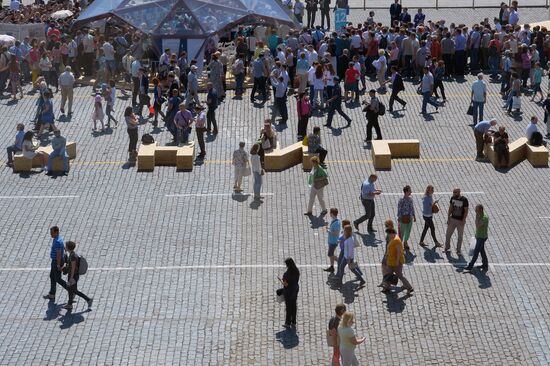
(333, 230)
(428, 209)
(217, 75)
(395, 12)
(193, 84)
(240, 162)
(56, 256)
(456, 219)
(317, 180)
(325, 13)
(132, 129)
(311, 7)
(200, 128)
(349, 258)
(259, 79)
(447, 52)
(397, 86)
(427, 88)
(481, 131)
(482, 227)
(546, 107)
(299, 10)
(134, 71)
(372, 110)
(280, 106)
(72, 268)
(395, 260)
(17, 144)
(212, 103)
(460, 52)
(333, 324)
(368, 193)
(405, 216)
(348, 340)
(479, 97)
(335, 104)
(291, 285)
(257, 170)
(304, 111)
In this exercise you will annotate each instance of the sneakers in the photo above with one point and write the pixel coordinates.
(68, 307)
(329, 269)
(49, 297)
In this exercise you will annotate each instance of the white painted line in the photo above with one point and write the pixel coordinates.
(436, 193)
(34, 197)
(544, 217)
(254, 266)
(215, 194)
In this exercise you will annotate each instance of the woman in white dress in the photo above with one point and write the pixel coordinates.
(29, 150)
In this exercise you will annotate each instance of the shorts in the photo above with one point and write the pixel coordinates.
(331, 249)
(350, 87)
(536, 88)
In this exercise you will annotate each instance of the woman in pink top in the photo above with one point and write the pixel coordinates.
(304, 111)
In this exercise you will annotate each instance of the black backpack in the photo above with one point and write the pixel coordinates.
(381, 109)
(536, 139)
(147, 139)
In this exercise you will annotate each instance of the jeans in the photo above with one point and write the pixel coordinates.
(333, 108)
(427, 99)
(493, 65)
(342, 266)
(12, 150)
(55, 278)
(369, 213)
(239, 82)
(211, 119)
(504, 81)
(61, 154)
(428, 224)
(257, 184)
(480, 249)
(478, 111)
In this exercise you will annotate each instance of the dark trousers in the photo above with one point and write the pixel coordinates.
(479, 143)
(3, 80)
(88, 63)
(408, 68)
(325, 14)
(135, 90)
(311, 18)
(259, 84)
(439, 84)
(480, 249)
(395, 97)
(12, 149)
(322, 154)
(211, 119)
(302, 126)
(133, 135)
(459, 62)
(333, 108)
(291, 310)
(55, 278)
(428, 224)
(200, 137)
(73, 290)
(448, 59)
(280, 105)
(369, 213)
(373, 122)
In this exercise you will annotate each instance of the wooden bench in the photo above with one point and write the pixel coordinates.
(280, 159)
(179, 156)
(537, 155)
(306, 159)
(22, 164)
(517, 150)
(384, 150)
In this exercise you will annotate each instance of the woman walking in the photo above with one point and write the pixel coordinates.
(257, 170)
(348, 340)
(240, 162)
(290, 282)
(427, 213)
(132, 129)
(405, 215)
(304, 111)
(317, 181)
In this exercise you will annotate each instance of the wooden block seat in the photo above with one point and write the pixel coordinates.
(385, 150)
(22, 164)
(179, 156)
(280, 159)
(516, 149)
(537, 155)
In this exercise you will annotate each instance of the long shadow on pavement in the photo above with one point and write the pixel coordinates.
(288, 338)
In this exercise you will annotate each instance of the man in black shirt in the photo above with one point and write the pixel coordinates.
(395, 12)
(335, 104)
(325, 13)
(456, 219)
(212, 103)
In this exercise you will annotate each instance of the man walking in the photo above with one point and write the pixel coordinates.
(481, 130)
(397, 86)
(372, 111)
(368, 193)
(456, 219)
(56, 256)
(479, 97)
(427, 88)
(59, 144)
(333, 230)
(335, 104)
(482, 226)
(212, 103)
(66, 83)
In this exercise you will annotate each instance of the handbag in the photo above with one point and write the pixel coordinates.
(470, 111)
(246, 171)
(320, 182)
(405, 219)
(435, 208)
(280, 293)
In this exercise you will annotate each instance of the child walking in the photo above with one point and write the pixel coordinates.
(98, 112)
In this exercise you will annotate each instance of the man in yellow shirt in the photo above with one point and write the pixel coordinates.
(395, 260)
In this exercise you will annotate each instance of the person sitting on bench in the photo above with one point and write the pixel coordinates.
(59, 145)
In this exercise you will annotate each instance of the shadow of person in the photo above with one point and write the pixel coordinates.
(128, 165)
(70, 319)
(53, 310)
(317, 221)
(288, 338)
(409, 257)
(240, 197)
(481, 276)
(349, 291)
(458, 262)
(395, 303)
(369, 239)
(256, 203)
(431, 255)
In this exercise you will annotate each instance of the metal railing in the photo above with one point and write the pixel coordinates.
(445, 4)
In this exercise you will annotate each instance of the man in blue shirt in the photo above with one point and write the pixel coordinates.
(259, 79)
(478, 97)
(17, 145)
(56, 256)
(480, 131)
(368, 192)
(333, 230)
(59, 144)
(460, 52)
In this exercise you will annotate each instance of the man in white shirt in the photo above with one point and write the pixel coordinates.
(531, 128)
(348, 258)
(134, 71)
(66, 84)
(479, 96)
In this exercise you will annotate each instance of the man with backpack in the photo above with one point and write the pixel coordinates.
(75, 266)
(373, 110)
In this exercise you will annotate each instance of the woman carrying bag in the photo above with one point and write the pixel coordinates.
(290, 290)
(429, 207)
(317, 181)
(405, 215)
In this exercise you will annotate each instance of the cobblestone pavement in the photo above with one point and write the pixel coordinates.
(184, 273)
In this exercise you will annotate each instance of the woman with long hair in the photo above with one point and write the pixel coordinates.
(291, 287)
(319, 87)
(427, 214)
